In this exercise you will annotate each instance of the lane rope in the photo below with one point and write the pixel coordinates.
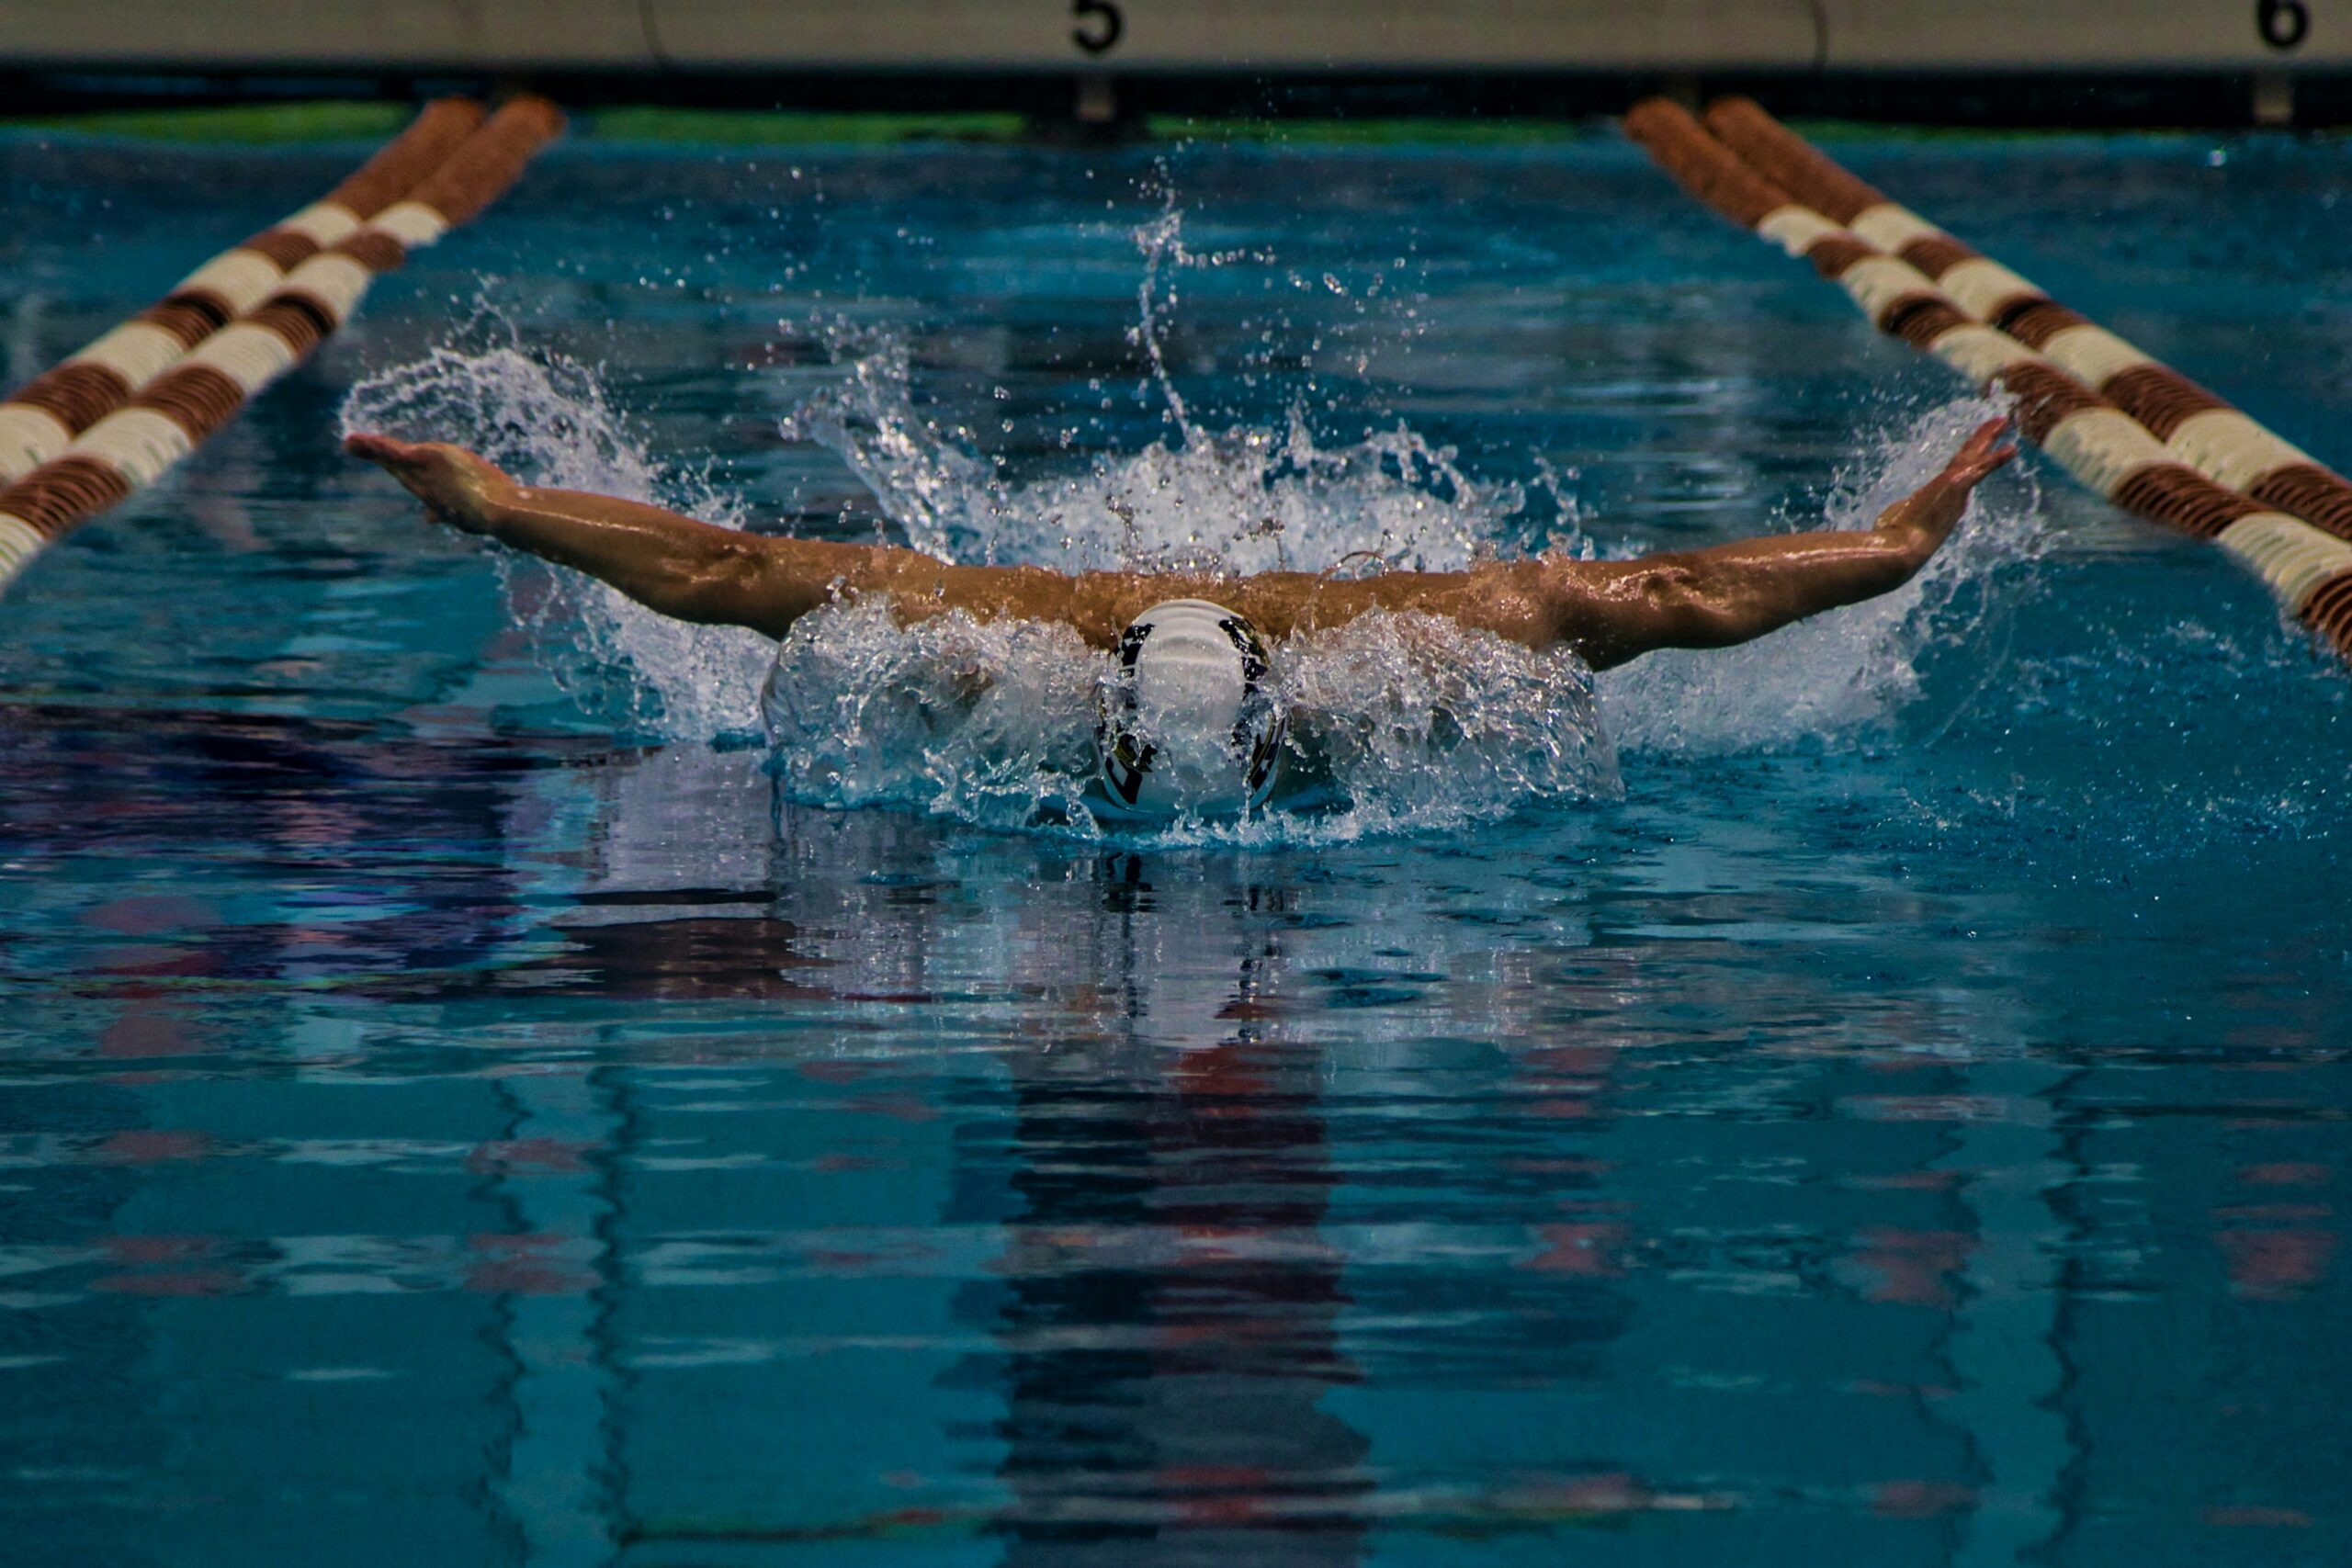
(2088, 435)
(41, 419)
(2199, 428)
(203, 389)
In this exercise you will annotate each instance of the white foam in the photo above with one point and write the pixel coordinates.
(1423, 724)
(991, 722)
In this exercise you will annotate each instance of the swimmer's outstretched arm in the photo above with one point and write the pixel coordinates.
(691, 570)
(1614, 611)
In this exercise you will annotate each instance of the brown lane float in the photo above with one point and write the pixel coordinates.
(41, 419)
(2086, 434)
(2199, 428)
(203, 388)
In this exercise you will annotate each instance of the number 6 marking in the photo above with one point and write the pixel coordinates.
(1111, 24)
(2283, 24)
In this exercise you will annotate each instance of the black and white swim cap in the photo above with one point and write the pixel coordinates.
(1189, 721)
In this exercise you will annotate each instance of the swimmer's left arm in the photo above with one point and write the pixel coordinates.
(1726, 594)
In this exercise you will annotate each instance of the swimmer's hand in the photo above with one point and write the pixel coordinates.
(457, 486)
(1981, 453)
(1921, 521)
(682, 567)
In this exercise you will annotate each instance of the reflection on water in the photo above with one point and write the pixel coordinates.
(1186, 1208)
(1170, 1321)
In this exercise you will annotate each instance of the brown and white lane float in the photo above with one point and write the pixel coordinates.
(203, 389)
(2202, 430)
(41, 419)
(2085, 433)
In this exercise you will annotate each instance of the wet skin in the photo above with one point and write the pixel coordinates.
(1608, 612)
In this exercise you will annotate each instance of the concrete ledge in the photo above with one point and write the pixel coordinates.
(1281, 35)
(1277, 36)
(2084, 35)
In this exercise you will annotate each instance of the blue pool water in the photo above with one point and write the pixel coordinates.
(1877, 1096)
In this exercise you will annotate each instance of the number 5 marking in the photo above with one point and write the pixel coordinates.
(1110, 25)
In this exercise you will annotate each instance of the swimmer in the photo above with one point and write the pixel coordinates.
(1192, 644)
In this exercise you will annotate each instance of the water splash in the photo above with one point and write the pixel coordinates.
(991, 722)
(1400, 723)
(1421, 725)
(1854, 670)
(548, 420)
(1242, 500)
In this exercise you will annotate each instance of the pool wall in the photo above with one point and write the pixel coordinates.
(1309, 35)
(2275, 61)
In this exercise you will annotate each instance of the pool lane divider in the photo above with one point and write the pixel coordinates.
(2089, 435)
(41, 419)
(203, 389)
(2199, 428)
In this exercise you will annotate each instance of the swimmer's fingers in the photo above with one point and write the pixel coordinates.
(1981, 453)
(1972, 472)
(411, 462)
(377, 448)
(455, 486)
(1983, 439)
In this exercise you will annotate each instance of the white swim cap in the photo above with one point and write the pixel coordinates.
(1189, 721)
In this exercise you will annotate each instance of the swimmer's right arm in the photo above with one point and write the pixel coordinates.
(691, 570)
